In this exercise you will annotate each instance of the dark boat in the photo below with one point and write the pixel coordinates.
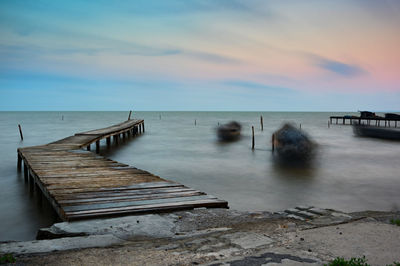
(392, 116)
(367, 114)
(229, 131)
(376, 132)
(292, 144)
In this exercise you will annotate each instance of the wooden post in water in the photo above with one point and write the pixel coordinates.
(88, 147)
(160, 117)
(143, 126)
(129, 117)
(300, 126)
(262, 123)
(97, 146)
(108, 140)
(20, 132)
(25, 171)
(329, 125)
(252, 138)
(195, 122)
(19, 163)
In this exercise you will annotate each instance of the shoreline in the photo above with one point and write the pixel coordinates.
(302, 235)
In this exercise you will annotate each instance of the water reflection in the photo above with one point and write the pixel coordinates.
(305, 169)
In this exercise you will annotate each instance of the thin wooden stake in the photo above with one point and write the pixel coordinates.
(20, 132)
(62, 118)
(300, 126)
(195, 122)
(262, 123)
(329, 125)
(252, 138)
(129, 117)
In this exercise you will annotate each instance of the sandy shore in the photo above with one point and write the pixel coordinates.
(299, 236)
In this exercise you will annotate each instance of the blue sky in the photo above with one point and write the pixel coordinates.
(200, 55)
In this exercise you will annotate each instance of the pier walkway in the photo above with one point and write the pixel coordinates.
(388, 122)
(82, 184)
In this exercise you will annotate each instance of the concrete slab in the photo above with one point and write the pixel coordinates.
(123, 227)
(43, 246)
(248, 240)
(378, 242)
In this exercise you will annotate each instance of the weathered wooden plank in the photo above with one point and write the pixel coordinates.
(88, 172)
(130, 198)
(87, 207)
(120, 188)
(111, 194)
(213, 203)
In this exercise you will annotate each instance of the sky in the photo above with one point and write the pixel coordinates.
(200, 55)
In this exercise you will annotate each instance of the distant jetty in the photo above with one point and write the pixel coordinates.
(367, 118)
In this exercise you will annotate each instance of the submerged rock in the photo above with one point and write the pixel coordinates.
(292, 144)
(229, 131)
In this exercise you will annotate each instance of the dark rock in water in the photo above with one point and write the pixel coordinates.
(292, 144)
(229, 131)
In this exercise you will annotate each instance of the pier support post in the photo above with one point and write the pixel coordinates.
(143, 126)
(31, 182)
(108, 140)
(116, 137)
(262, 123)
(97, 146)
(19, 163)
(252, 138)
(25, 172)
(88, 147)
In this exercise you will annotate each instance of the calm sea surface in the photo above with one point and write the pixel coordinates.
(349, 174)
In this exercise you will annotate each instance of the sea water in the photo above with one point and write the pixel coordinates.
(349, 173)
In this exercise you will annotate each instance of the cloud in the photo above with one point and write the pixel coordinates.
(255, 85)
(342, 69)
(213, 58)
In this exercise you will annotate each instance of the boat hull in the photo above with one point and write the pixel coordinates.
(376, 132)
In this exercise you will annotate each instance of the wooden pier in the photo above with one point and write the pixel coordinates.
(386, 122)
(81, 184)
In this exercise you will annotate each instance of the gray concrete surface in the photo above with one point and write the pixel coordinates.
(218, 237)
